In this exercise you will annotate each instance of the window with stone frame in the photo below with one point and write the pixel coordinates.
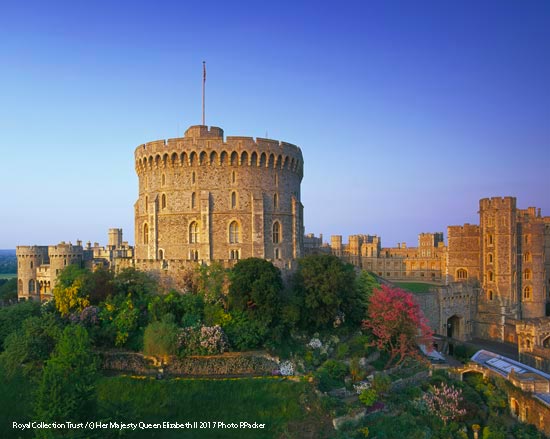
(234, 232)
(194, 232)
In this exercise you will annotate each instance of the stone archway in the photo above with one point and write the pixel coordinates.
(514, 407)
(454, 327)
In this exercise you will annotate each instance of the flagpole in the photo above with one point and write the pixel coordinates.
(203, 86)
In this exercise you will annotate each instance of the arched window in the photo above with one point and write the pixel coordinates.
(193, 200)
(161, 254)
(490, 294)
(145, 234)
(64, 262)
(194, 233)
(276, 232)
(277, 254)
(490, 239)
(31, 286)
(527, 274)
(163, 180)
(461, 273)
(233, 200)
(275, 201)
(490, 258)
(146, 203)
(234, 232)
(193, 177)
(527, 292)
(490, 276)
(233, 177)
(527, 257)
(163, 201)
(514, 406)
(32, 264)
(194, 255)
(234, 254)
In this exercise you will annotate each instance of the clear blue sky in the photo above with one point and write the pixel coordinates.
(406, 112)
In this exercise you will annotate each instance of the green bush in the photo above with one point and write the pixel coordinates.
(342, 351)
(368, 397)
(336, 369)
(160, 338)
(381, 383)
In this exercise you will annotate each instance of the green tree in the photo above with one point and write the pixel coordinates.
(12, 317)
(213, 282)
(8, 289)
(134, 281)
(28, 347)
(67, 388)
(160, 338)
(72, 298)
(366, 283)
(326, 291)
(98, 285)
(69, 275)
(187, 309)
(255, 289)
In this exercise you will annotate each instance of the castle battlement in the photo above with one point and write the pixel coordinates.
(497, 203)
(209, 149)
(23, 251)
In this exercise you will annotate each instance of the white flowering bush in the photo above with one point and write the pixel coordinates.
(361, 386)
(286, 368)
(315, 343)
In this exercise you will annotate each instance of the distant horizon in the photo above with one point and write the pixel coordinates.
(406, 114)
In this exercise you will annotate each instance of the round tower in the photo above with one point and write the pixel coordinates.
(62, 255)
(29, 258)
(203, 198)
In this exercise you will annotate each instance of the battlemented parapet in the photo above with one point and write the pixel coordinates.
(202, 198)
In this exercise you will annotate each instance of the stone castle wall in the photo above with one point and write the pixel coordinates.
(203, 198)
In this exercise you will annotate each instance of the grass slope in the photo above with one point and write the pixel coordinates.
(289, 409)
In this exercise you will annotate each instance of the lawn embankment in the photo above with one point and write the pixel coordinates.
(284, 406)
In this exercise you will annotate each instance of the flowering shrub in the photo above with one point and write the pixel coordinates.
(89, 316)
(205, 340)
(286, 368)
(444, 402)
(315, 343)
(361, 386)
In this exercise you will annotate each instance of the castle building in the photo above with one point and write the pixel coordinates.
(491, 281)
(425, 263)
(38, 265)
(508, 255)
(205, 198)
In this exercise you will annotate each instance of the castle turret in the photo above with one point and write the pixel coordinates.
(205, 198)
(29, 258)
